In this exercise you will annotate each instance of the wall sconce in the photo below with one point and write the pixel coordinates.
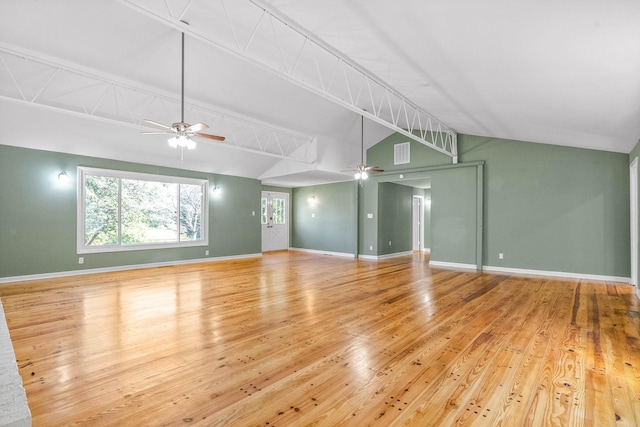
(63, 177)
(312, 198)
(216, 190)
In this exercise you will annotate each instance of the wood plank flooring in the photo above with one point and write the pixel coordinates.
(297, 339)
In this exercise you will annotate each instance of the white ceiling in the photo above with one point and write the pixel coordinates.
(564, 73)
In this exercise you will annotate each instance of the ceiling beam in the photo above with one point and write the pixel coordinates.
(261, 35)
(41, 81)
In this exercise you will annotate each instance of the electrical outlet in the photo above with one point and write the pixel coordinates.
(206, 252)
(81, 260)
(500, 255)
(370, 248)
(389, 242)
(253, 213)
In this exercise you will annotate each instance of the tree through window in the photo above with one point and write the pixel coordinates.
(125, 210)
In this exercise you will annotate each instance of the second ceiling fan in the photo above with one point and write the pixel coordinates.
(183, 132)
(362, 170)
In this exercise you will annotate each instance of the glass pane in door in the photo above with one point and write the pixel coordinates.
(278, 211)
(263, 211)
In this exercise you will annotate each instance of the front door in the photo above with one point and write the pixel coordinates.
(275, 221)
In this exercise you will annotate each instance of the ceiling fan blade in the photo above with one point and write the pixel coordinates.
(374, 169)
(206, 135)
(160, 132)
(156, 124)
(197, 127)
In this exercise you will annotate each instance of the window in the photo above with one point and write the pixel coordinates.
(120, 211)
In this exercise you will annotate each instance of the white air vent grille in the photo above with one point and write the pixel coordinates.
(401, 153)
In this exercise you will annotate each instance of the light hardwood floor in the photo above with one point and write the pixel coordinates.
(296, 339)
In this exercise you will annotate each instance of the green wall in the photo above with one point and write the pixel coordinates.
(326, 223)
(421, 156)
(395, 211)
(545, 207)
(368, 218)
(453, 215)
(553, 208)
(427, 218)
(38, 215)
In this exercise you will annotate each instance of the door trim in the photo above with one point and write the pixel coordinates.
(633, 187)
(285, 228)
(421, 219)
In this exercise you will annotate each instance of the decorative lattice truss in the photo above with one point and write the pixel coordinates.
(262, 36)
(30, 78)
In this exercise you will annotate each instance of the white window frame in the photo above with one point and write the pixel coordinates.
(119, 247)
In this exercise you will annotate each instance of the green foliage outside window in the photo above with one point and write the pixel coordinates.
(277, 211)
(102, 210)
(263, 211)
(121, 211)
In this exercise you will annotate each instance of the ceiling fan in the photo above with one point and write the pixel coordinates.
(362, 170)
(182, 132)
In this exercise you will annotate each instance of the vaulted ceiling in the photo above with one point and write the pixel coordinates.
(286, 81)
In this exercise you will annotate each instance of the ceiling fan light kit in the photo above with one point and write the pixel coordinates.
(361, 175)
(182, 141)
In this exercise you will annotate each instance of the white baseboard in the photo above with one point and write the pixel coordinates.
(437, 264)
(527, 272)
(561, 274)
(444, 264)
(377, 257)
(120, 268)
(395, 254)
(315, 251)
